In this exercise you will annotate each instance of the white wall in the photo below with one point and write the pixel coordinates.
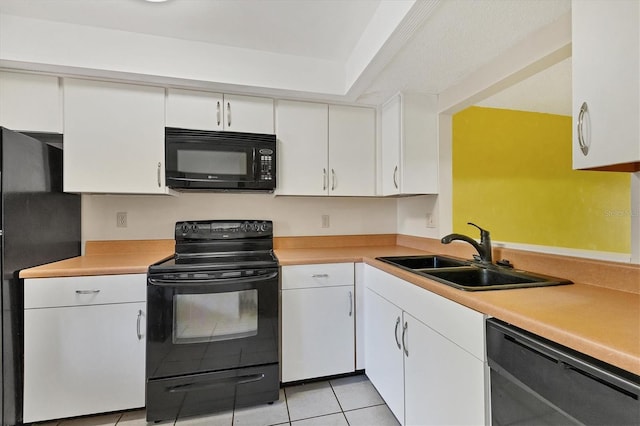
(153, 217)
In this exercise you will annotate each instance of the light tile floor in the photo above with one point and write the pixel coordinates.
(348, 401)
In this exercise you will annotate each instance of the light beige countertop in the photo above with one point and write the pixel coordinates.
(602, 321)
(106, 258)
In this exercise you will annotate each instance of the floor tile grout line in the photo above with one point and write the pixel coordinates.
(335, 395)
(286, 402)
(316, 417)
(339, 404)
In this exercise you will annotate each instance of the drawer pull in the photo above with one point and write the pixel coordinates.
(320, 276)
(87, 291)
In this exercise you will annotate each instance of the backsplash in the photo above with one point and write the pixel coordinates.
(153, 217)
(512, 174)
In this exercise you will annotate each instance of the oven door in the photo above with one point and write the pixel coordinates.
(213, 321)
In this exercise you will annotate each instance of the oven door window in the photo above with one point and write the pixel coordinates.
(199, 318)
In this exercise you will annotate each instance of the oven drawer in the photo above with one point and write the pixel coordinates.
(196, 394)
(86, 290)
(317, 275)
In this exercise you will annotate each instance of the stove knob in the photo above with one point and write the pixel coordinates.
(263, 227)
(184, 228)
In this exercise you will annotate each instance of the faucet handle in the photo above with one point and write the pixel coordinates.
(483, 232)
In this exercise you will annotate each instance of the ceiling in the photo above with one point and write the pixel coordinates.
(325, 29)
(455, 38)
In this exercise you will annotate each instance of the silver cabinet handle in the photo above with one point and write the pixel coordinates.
(159, 175)
(138, 331)
(350, 303)
(584, 146)
(218, 112)
(333, 180)
(395, 334)
(404, 343)
(228, 114)
(320, 276)
(395, 177)
(87, 291)
(324, 179)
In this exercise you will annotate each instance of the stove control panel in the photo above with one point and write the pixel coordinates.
(223, 229)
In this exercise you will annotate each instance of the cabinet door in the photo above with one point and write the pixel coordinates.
(317, 332)
(83, 360)
(114, 138)
(190, 109)
(248, 114)
(390, 126)
(302, 131)
(410, 145)
(605, 69)
(351, 151)
(30, 102)
(383, 351)
(444, 384)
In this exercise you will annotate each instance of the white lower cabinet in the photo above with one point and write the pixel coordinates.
(444, 385)
(84, 350)
(424, 353)
(318, 311)
(383, 351)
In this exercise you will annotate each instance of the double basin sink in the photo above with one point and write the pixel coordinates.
(470, 276)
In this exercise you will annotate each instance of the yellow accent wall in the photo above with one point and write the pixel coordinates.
(512, 175)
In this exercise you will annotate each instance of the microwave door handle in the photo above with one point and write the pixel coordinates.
(256, 166)
(206, 281)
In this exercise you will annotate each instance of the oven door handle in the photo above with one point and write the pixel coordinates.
(241, 380)
(205, 281)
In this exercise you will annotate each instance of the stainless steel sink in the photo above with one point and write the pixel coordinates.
(467, 275)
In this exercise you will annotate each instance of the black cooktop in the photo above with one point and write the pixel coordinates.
(217, 245)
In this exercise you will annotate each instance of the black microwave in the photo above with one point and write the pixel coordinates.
(219, 161)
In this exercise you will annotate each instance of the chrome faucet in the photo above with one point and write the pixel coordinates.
(484, 248)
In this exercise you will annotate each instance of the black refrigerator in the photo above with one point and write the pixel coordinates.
(40, 224)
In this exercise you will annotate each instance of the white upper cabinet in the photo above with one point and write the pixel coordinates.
(606, 84)
(190, 109)
(409, 145)
(302, 129)
(113, 138)
(30, 102)
(352, 151)
(325, 149)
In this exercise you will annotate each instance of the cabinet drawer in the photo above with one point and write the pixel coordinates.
(90, 290)
(320, 275)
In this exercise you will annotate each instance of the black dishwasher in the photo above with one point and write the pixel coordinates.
(538, 382)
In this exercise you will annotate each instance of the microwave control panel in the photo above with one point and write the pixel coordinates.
(266, 164)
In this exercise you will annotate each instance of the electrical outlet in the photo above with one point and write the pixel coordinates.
(121, 219)
(430, 222)
(325, 220)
